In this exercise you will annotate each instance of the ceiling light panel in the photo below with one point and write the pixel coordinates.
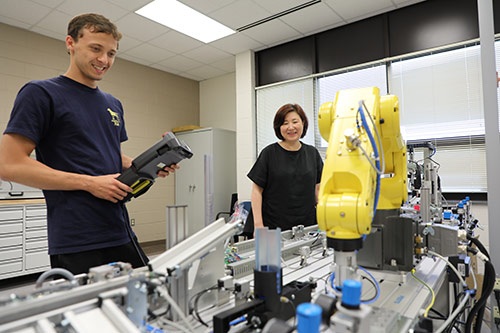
(184, 19)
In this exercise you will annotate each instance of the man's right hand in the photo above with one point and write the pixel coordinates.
(107, 187)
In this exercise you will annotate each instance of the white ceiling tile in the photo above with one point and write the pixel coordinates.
(280, 31)
(49, 3)
(206, 72)
(204, 6)
(149, 53)
(206, 54)
(131, 5)
(50, 18)
(176, 42)
(286, 40)
(127, 42)
(328, 27)
(371, 14)
(261, 48)
(227, 64)
(165, 69)
(77, 7)
(239, 14)
(349, 9)
(278, 6)
(190, 76)
(236, 43)
(56, 22)
(323, 16)
(14, 22)
(49, 33)
(180, 63)
(404, 3)
(23, 10)
(133, 59)
(397, 2)
(140, 28)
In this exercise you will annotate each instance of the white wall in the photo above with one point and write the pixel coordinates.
(228, 102)
(218, 102)
(154, 102)
(245, 122)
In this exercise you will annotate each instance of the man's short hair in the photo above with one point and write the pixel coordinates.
(93, 22)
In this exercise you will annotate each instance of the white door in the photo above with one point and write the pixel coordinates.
(190, 178)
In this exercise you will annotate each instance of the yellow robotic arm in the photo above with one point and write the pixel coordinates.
(349, 194)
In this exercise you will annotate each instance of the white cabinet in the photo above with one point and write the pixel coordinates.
(23, 237)
(206, 181)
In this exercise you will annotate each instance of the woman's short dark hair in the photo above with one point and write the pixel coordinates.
(93, 22)
(280, 116)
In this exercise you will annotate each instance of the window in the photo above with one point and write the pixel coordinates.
(270, 99)
(441, 101)
(328, 86)
(462, 164)
(440, 96)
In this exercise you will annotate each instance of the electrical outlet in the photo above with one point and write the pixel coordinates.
(497, 284)
(132, 222)
(496, 315)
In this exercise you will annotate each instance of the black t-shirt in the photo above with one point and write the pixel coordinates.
(288, 179)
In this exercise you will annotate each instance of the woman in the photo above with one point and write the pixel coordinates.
(286, 175)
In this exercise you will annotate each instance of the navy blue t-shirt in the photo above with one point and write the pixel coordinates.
(76, 129)
(288, 179)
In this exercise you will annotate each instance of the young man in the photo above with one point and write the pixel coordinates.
(76, 130)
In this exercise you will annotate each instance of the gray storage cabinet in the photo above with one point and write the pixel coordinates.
(23, 238)
(206, 181)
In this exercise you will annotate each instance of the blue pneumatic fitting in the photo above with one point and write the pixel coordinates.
(351, 293)
(447, 215)
(460, 205)
(309, 318)
(467, 199)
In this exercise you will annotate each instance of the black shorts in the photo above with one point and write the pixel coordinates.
(81, 262)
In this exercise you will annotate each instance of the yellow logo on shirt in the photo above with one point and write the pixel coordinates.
(115, 118)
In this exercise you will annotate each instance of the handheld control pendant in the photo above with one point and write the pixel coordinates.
(144, 169)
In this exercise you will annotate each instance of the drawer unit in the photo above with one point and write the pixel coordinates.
(10, 241)
(36, 234)
(37, 244)
(37, 260)
(23, 238)
(11, 227)
(36, 216)
(36, 223)
(36, 212)
(11, 254)
(11, 267)
(11, 221)
(11, 213)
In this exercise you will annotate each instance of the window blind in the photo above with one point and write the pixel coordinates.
(270, 99)
(439, 94)
(440, 99)
(328, 86)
